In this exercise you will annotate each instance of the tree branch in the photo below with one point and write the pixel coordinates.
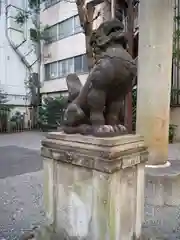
(96, 17)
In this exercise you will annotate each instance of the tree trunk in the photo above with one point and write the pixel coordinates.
(88, 33)
(86, 20)
(36, 85)
(90, 18)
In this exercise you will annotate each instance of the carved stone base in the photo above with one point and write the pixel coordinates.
(94, 187)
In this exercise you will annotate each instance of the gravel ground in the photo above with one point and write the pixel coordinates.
(21, 179)
(162, 222)
(21, 205)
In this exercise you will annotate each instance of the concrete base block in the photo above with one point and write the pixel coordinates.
(94, 187)
(163, 185)
(162, 201)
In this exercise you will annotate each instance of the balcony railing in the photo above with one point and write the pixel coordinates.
(49, 3)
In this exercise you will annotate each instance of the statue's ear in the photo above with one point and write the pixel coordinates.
(74, 86)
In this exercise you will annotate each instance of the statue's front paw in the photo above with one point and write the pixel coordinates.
(109, 130)
(96, 131)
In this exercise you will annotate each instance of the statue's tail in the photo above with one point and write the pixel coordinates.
(74, 86)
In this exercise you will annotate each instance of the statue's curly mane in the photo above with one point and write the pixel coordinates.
(107, 33)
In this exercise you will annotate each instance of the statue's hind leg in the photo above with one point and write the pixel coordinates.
(96, 101)
(112, 112)
(112, 116)
(100, 78)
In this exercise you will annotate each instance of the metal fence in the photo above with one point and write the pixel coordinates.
(175, 89)
(12, 120)
(47, 117)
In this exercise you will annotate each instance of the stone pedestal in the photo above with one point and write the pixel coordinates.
(94, 187)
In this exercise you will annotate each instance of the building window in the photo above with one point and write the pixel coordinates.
(85, 63)
(49, 3)
(51, 34)
(52, 70)
(63, 29)
(80, 64)
(77, 25)
(64, 67)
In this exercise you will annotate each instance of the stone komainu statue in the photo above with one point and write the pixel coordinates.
(94, 108)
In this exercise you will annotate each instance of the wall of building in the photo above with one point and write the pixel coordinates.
(64, 48)
(58, 85)
(13, 72)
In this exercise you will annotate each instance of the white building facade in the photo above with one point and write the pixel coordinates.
(16, 54)
(64, 51)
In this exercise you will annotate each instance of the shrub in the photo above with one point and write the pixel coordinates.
(51, 112)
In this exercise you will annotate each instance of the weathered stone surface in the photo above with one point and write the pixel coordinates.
(94, 187)
(103, 154)
(162, 202)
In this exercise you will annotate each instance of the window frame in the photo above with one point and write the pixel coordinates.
(59, 73)
(64, 22)
(75, 30)
(81, 63)
(49, 31)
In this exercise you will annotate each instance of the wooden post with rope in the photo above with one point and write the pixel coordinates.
(113, 8)
(130, 29)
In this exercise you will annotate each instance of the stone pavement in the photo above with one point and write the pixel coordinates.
(30, 140)
(21, 178)
(162, 214)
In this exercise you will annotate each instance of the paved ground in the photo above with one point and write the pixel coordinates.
(162, 222)
(21, 179)
(30, 140)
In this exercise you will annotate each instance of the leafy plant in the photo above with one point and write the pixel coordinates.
(134, 102)
(51, 112)
(17, 121)
(176, 39)
(4, 111)
(4, 115)
(21, 17)
(172, 129)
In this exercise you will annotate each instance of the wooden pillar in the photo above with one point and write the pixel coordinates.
(113, 8)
